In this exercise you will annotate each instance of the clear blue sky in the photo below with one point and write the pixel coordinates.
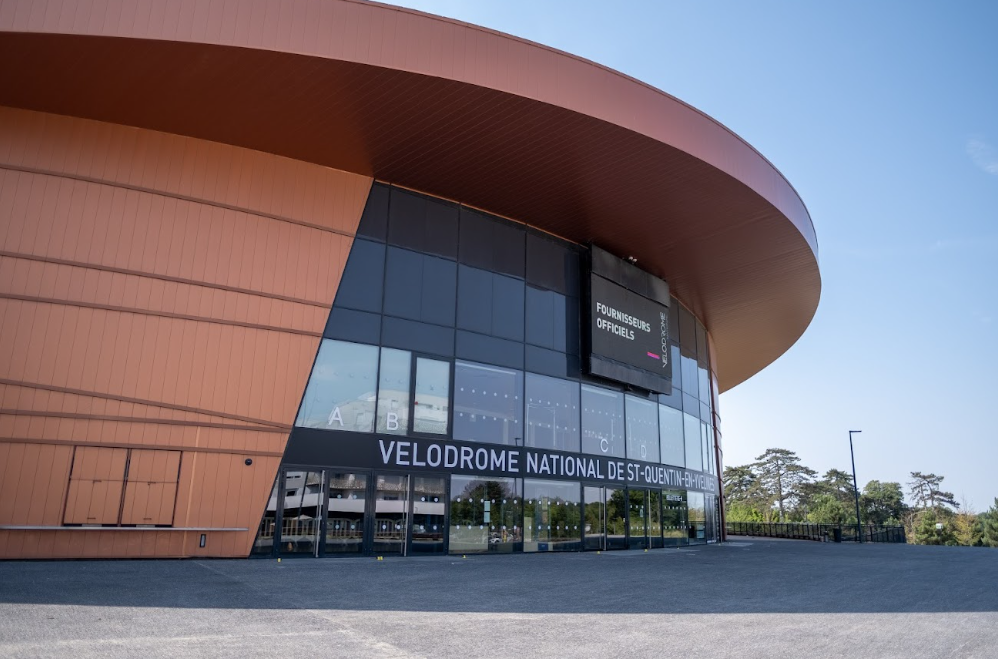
(884, 116)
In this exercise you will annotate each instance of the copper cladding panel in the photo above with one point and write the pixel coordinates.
(161, 297)
(453, 110)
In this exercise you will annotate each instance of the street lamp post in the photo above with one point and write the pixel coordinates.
(855, 490)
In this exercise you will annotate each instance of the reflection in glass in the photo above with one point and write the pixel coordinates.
(551, 516)
(691, 379)
(488, 403)
(674, 517)
(429, 505)
(670, 432)
(616, 518)
(710, 521)
(704, 380)
(694, 448)
(485, 515)
(393, 391)
(548, 320)
(711, 449)
(391, 514)
(704, 441)
(264, 542)
(432, 404)
(552, 413)
(345, 513)
(697, 517)
(302, 512)
(642, 429)
(637, 519)
(341, 391)
(602, 421)
(595, 522)
(677, 370)
(655, 519)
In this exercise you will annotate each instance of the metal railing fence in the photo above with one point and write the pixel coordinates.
(818, 532)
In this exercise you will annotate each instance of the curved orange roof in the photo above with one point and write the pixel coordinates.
(453, 110)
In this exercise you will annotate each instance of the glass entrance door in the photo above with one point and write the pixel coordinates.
(606, 518)
(302, 512)
(616, 518)
(637, 519)
(391, 515)
(429, 507)
(331, 512)
(655, 540)
(345, 506)
(594, 499)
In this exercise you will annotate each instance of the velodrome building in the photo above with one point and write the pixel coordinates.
(330, 277)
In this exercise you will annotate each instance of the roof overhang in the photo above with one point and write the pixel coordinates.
(453, 110)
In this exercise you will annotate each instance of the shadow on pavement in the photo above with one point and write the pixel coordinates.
(747, 576)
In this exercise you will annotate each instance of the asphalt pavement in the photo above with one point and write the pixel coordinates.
(748, 598)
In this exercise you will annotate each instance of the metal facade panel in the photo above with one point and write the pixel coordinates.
(146, 303)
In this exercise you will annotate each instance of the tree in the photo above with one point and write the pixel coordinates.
(740, 483)
(839, 484)
(827, 509)
(989, 526)
(739, 511)
(782, 476)
(882, 503)
(926, 493)
(744, 499)
(968, 529)
(930, 531)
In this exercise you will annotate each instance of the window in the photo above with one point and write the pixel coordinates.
(642, 429)
(420, 287)
(552, 413)
(422, 223)
(362, 283)
(432, 404)
(691, 379)
(552, 264)
(694, 449)
(341, 391)
(485, 515)
(674, 517)
(670, 424)
(703, 444)
(345, 503)
(490, 303)
(374, 221)
(488, 404)
(697, 517)
(550, 318)
(393, 391)
(602, 421)
(703, 376)
(491, 243)
(551, 516)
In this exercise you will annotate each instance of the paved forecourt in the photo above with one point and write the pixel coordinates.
(745, 598)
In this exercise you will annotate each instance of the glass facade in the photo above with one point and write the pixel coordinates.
(486, 515)
(552, 411)
(552, 513)
(488, 403)
(432, 404)
(452, 375)
(340, 391)
(602, 421)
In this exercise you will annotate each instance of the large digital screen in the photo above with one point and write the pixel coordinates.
(628, 332)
